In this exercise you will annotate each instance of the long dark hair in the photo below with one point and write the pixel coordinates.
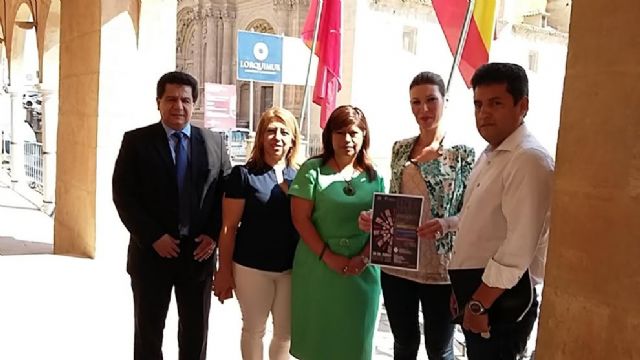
(342, 117)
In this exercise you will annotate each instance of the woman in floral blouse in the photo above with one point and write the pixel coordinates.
(422, 166)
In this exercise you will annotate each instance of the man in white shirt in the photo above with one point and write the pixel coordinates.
(503, 226)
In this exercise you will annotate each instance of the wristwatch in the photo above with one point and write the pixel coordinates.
(476, 307)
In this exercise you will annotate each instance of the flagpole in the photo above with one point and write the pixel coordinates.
(305, 101)
(461, 42)
(281, 89)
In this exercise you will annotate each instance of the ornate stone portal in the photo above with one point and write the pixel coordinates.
(206, 46)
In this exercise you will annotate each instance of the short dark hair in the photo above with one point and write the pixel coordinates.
(428, 78)
(180, 78)
(513, 75)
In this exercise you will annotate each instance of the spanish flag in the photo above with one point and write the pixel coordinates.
(451, 14)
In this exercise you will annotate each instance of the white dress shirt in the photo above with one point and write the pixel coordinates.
(504, 223)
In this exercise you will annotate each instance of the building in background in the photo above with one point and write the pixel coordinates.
(385, 43)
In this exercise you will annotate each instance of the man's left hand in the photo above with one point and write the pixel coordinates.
(432, 229)
(476, 323)
(205, 248)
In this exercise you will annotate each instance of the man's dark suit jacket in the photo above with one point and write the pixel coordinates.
(145, 193)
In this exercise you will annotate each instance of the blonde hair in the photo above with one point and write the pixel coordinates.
(276, 113)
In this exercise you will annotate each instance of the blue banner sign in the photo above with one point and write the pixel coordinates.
(259, 57)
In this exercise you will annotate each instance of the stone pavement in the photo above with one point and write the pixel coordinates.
(67, 308)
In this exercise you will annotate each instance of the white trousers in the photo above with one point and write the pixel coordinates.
(260, 293)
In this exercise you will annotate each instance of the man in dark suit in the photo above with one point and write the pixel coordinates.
(167, 188)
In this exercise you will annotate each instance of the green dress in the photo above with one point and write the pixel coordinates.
(333, 316)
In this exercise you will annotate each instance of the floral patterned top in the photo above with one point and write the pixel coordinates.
(446, 180)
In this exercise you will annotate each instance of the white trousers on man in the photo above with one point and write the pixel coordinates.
(260, 293)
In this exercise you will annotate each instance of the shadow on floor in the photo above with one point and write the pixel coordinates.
(12, 246)
(18, 207)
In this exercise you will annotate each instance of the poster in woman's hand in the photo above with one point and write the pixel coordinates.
(394, 240)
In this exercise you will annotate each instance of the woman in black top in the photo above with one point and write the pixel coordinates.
(257, 239)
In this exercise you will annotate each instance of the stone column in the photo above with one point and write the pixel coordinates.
(234, 57)
(590, 299)
(283, 13)
(219, 48)
(211, 57)
(94, 111)
(49, 145)
(228, 18)
(285, 21)
(199, 29)
(75, 220)
(18, 117)
(198, 45)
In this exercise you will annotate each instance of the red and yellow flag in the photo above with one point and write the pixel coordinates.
(451, 14)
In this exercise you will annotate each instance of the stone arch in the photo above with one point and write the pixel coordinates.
(4, 71)
(24, 12)
(261, 26)
(132, 9)
(120, 25)
(135, 7)
(185, 41)
(23, 53)
(2, 31)
(51, 47)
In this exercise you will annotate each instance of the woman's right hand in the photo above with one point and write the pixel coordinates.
(223, 285)
(364, 221)
(337, 263)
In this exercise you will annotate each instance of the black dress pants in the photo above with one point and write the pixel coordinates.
(507, 341)
(402, 299)
(151, 298)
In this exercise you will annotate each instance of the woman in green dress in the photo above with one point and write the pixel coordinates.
(335, 295)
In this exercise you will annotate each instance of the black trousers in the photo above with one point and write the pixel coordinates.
(151, 298)
(507, 341)
(402, 298)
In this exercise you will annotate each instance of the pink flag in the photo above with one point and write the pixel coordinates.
(328, 49)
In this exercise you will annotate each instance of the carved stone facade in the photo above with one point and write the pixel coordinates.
(205, 41)
(206, 46)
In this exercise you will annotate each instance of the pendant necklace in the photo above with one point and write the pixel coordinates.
(348, 189)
